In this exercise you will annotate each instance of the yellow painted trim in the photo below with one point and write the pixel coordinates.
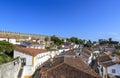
(32, 60)
(27, 76)
(106, 72)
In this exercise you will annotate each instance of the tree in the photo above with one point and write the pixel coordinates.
(56, 40)
(68, 40)
(110, 39)
(62, 40)
(90, 41)
(104, 42)
(117, 47)
(46, 39)
(74, 40)
(88, 44)
(114, 42)
(6, 47)
(80, 41)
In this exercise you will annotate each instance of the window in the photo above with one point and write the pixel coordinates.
(113, 71)
(23, 61)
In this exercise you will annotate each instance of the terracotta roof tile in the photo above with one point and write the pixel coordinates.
(69, 68)
(4, 37)
(118, 56)
(108, 53)
(79, 64)
(30, 51)
(103, 58)
(108, 64)
(70, 52)
(66, 71)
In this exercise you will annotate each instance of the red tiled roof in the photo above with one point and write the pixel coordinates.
(69, 46)
(70, 52)
(69, 68)
(79, 64)
(108, 53)
(108, 64)
(103, 58)
(4, 37)
(30, 51)
(85, 54)
(118, 56)
(66, 71)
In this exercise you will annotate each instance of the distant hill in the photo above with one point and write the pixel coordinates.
(19, 35)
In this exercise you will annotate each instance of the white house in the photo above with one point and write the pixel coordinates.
(107, 66)
(12, 40)
(110, 68)
(33, 58)
(63, 50)
(31, 44)
(53, 52)
(114, 70)
(6, 38)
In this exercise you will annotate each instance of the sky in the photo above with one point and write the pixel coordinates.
(85, 19)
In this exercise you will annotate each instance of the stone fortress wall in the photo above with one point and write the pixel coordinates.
(18, 35)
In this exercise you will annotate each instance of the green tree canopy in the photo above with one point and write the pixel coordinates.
(6, 47)
(46, 39)
(117, 47)
(68, 40)
(76, 40)
(80, 41)
(104, 42)
(56, 40)
(88, 44)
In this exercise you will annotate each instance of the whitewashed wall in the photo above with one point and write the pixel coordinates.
(40, 59)
(61, 50)
(13, 41)
(10, 69)
(22, 55)
(116, 67)
(1, 39)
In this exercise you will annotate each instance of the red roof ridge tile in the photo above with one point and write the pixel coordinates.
(4, 36)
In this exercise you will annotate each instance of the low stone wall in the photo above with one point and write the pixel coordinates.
(11, 69)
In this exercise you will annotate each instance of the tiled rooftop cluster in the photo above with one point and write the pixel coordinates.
(67, 67)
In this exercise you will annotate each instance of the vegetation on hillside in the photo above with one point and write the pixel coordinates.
(56, 40)
(88, 44)
(108, 42)
(76, 40)
(47, 39)
(6, 51)
(117, 47)
(4, 58)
